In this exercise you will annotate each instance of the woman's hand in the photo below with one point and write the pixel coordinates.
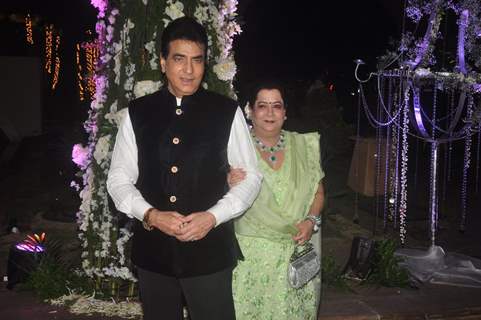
(235, 176)
(305, 231)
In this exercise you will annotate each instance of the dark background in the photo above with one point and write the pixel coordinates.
(290, 40)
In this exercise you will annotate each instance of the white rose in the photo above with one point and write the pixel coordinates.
(145, 87)
(174, 11)
(154, 64)
(225, 69)
(102, 148)
(130, 24)
(129, 83)
(201, 14)
(116, 117)
(150, 46)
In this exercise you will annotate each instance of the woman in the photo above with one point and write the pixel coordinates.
(283, 215)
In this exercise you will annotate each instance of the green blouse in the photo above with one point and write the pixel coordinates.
(287, 193)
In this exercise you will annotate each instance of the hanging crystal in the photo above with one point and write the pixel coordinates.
(467, 160)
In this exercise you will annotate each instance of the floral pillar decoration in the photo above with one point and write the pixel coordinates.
(128, 36)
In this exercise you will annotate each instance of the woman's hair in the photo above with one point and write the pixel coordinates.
(184, 28)
(268, 84)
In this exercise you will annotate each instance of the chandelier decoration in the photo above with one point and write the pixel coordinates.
(419, 97)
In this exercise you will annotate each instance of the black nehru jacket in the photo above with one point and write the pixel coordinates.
(182, 160)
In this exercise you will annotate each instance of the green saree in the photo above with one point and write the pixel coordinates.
(265, 233)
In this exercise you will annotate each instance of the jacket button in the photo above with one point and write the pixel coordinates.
(178, 111)
(173, 199)
(175, 140)
(174, 169)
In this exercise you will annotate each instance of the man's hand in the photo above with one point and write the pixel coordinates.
(169, 222)
(305, 231)
(196, 226)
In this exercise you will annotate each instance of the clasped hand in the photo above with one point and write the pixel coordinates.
(193, 227)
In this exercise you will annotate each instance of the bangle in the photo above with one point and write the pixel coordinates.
(316, 221)
(146, 220)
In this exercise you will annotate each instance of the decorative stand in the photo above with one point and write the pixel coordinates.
(437, 107)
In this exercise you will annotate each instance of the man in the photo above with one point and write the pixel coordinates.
(169, 165)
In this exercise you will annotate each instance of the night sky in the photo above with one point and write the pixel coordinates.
(291, 40)
(301, 39)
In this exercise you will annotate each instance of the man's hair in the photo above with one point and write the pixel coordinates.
(266, 84)
(184, 28)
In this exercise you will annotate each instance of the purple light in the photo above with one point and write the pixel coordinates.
(29, 248)
(101, 6)
(463, 23)
(80, 156)
(477, 87)
(417, 113)
(424, 45)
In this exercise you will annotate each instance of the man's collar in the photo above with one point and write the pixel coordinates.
(185, 100)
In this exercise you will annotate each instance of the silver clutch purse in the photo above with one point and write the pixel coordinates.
(303, 265)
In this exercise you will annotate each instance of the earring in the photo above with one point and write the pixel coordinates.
(285, 117)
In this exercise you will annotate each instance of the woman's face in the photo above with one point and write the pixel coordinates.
(268, 113)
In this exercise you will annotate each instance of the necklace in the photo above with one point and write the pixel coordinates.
(280, 145)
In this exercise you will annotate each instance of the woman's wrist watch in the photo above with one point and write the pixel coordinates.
(316, 221)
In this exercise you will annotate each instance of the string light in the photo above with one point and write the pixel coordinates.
(91, 56)
(478, 159)
(433, 206)
(48, 48)
(447, 149)
(467, 162)
(404, 167)
(79, 74)
(377, 157)
(394, 163)
(56, 72)
(387, 160)
(28, 29)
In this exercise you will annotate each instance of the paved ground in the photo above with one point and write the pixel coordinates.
(35, 188)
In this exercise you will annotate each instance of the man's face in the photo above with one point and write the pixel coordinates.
(184, 67)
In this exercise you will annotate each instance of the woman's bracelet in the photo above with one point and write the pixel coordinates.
(316, 221)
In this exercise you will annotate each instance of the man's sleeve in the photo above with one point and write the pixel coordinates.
(241, 154)
(124, 172)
